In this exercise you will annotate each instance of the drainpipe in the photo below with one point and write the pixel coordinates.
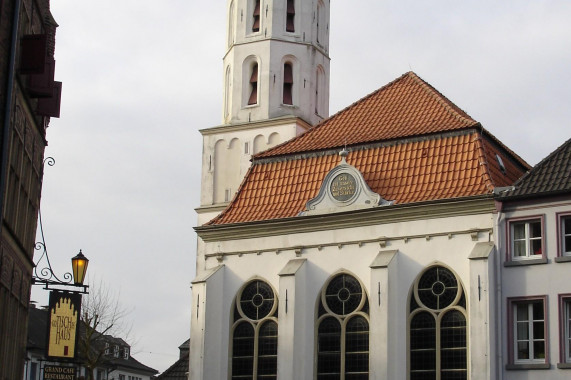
(8, 108)
(499, 300)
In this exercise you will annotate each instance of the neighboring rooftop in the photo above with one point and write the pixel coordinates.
(179, 370)
(410, 143)
(551, 176)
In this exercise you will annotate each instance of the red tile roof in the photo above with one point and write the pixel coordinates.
(406, 107)
(410, 143)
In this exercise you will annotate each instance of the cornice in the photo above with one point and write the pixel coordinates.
(277, 39)
(211, 208)
(359, 218)
(254, 125)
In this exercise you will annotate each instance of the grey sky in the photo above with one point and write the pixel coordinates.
(141, 77)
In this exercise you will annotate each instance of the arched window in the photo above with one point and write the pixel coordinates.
(256, 16)
(231, 17)
(255, 333)
(288, 84)
(253, 99)
(343, 330)
(290, 16)
(437, 327)
(227, 91)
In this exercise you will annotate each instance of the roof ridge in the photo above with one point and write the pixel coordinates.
(336, 114)
(485, 165)
(537, 167)
(450, 106)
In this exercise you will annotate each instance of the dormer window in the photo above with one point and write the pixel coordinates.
(126, 353)
(106, 348)
(256, 15)
(290, 16)
(116, 351)
(288, 84)
(253, 99)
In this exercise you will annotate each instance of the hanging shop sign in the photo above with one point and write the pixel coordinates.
(63, 326)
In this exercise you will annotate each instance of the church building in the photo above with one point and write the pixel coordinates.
(356, 246)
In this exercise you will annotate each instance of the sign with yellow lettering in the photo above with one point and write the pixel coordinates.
(57, 372)
(65, 309)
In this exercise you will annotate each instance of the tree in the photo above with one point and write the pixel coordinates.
(102, 315)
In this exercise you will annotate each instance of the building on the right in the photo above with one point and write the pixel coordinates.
(533, 238)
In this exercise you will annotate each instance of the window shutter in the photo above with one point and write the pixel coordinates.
(51, 106)
(288, 73)
(33, 53)
(253, 95)
(290, 7)
(290, 16)
(257, 8)
(288, 99)
(256, 14)
(41, 85)
(254, 77)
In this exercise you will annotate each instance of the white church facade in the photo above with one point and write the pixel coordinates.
(358, 246)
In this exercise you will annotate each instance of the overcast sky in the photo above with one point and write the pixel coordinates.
(141, 77)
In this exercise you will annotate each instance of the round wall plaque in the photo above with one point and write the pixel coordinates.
(343, 187)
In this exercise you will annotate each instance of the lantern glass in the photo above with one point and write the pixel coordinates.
(79, 266)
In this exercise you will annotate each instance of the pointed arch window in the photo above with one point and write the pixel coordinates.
(256, 16)
(290, 16)
(253, 99)
(255, 333)
(437, 327)
(288, 84)
(343, 330)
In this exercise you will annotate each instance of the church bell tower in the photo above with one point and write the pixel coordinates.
(276, 86)
(277, 60)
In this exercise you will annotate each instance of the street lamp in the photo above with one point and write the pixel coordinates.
(79, 265)
(70, 283)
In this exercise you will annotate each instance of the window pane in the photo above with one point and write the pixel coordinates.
(538, 311)
(243, 351)
(423, 342)
(437, 288)
(357, 346)
(519, 248)
(535, 229)
(422, 332)
(268, 351)
(522, 350)
(536, 247)
(257, 300)
(329, 349)
(522, 331)
(453, 361)
(519, 231)
(567, 248)
(539, 350)
(343, 294)
(538, 330)
(522, 312)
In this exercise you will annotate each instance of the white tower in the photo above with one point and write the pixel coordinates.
(276, 85)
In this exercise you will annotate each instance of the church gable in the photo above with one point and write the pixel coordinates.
(343, 189)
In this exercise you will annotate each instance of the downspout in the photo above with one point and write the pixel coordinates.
(500, 322)
(8, 109)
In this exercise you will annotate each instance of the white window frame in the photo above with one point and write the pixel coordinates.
(565, 251)
(567, 329)
(513, 303)
(527, 239)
